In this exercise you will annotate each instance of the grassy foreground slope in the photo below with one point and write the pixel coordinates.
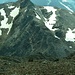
(18, 66)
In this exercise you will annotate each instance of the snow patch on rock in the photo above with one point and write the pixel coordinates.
(70, 46)
(10, 7)
(4, 23)
(70, 35)
(37, 16)
(14, 12)
(49, 23)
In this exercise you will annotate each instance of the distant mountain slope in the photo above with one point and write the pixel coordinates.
(65, 4)
(39, 31)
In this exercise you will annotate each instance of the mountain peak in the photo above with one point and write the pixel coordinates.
(40, 31)
(24, 3)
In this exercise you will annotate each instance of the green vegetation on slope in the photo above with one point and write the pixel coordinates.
(19, 66)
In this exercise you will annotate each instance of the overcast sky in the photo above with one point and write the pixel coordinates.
(3, 1)
(41, 2)
(37, 1)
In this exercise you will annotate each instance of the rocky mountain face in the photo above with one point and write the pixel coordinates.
(43, 32)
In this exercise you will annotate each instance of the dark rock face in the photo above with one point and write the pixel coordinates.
(30, 37)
